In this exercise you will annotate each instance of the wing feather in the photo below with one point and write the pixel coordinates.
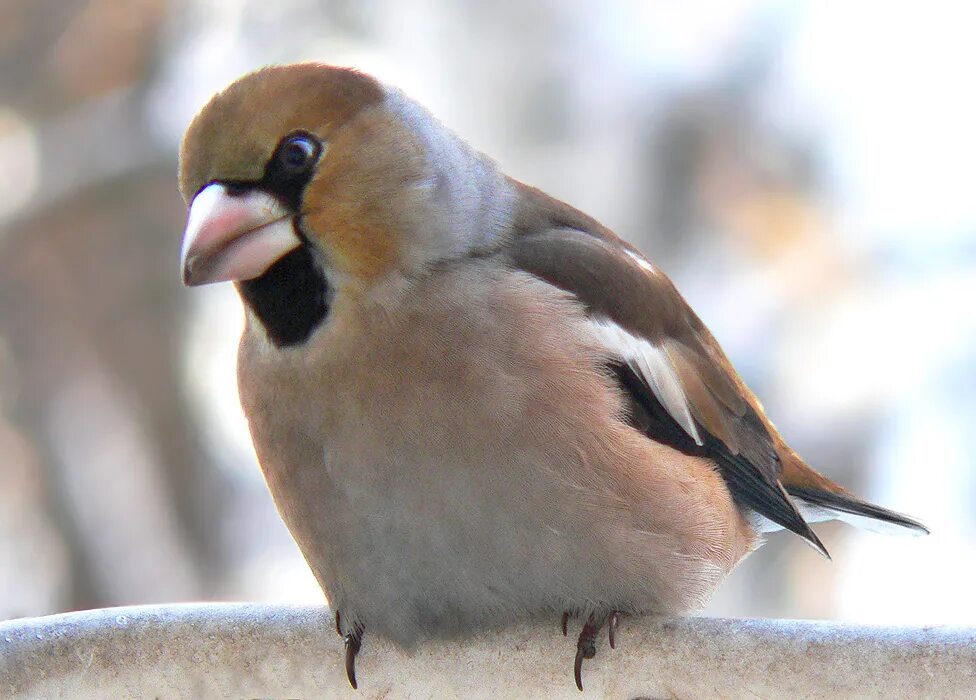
(679, 387)
(655, 369)
(683, 389)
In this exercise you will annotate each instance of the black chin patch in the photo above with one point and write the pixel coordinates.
(290, 299)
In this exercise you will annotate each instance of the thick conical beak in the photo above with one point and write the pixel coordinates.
(234, 236)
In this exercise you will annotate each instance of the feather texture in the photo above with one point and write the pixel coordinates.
(473, 403)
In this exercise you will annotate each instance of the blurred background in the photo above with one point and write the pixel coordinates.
(804, 172)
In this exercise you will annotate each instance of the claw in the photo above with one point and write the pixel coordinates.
(586, 647)
(353, 642)
(612, 628)
(338, 621)
(565, 623)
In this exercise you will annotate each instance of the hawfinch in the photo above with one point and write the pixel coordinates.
(472, 403)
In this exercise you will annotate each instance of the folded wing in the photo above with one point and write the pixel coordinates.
(681, 388)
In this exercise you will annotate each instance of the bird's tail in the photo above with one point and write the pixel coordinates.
(816, 505)
(818, 498)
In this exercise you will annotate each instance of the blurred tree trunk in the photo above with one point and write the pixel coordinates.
(87, 291)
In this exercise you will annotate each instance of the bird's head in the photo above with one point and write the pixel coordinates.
(311, 165)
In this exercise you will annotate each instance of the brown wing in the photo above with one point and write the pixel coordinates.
(682, 388)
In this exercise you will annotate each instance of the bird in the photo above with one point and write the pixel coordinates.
(472, 403)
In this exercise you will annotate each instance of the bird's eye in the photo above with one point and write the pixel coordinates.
(298, 154)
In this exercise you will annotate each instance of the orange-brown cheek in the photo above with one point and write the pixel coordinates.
(364, 204)
(357, 245)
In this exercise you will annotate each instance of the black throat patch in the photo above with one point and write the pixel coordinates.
(290, 299)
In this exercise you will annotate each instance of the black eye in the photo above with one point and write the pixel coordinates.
(297, 154)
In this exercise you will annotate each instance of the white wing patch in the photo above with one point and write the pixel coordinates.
(654, 367)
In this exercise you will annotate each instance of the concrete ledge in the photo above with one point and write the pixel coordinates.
(261, 651)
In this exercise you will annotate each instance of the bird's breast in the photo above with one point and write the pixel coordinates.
(463, 453)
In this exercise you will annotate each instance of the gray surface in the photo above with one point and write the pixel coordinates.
(251, 651)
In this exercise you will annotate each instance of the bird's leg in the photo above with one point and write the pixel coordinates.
(354, 642)
(586, 644)
(565, 623)
(338, 621)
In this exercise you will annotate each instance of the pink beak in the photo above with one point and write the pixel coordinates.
(234, 236)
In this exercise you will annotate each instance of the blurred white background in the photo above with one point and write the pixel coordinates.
(802, 170)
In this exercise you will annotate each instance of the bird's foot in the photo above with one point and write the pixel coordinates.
(354, 642)
(586, 646)
(586, 643)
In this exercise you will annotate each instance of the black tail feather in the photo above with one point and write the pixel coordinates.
(843, 503)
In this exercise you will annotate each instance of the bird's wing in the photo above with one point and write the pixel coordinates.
(682, 389)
